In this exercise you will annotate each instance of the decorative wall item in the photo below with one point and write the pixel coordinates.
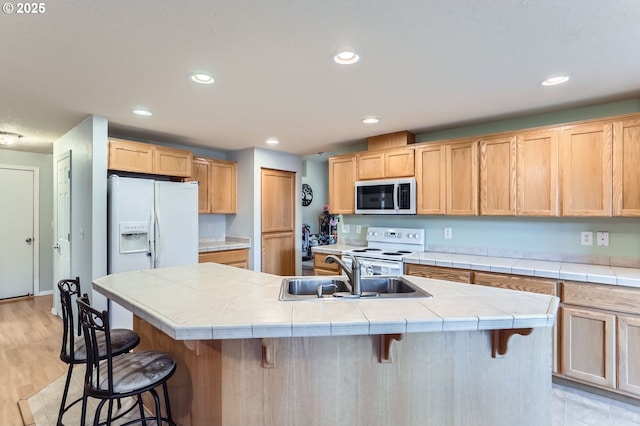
(307, 194)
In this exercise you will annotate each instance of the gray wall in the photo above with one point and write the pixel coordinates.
(44, 163)
(316, 175)
(88, 145)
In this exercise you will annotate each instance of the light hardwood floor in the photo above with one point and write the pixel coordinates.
(30, 338)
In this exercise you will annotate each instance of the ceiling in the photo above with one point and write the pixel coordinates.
(425, 65)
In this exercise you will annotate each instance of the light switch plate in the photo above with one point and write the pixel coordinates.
(602, 239)
(345, 228)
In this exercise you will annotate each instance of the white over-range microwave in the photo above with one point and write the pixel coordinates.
(387, 196)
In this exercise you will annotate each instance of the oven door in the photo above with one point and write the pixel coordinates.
(370, 267)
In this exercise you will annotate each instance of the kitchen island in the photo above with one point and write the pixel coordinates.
(469, 355)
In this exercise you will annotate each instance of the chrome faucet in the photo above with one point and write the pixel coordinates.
(353, 274)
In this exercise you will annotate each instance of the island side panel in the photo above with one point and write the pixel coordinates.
(438, 379)
(435, 379)
(195, 388)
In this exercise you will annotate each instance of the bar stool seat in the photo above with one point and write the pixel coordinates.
(128, 374)
(73, 351)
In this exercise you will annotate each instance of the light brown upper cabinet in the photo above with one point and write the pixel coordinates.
(217, 189)
(386, 164)
(586, 169)
(431, 178)
(537, 177)
(447, 178)
(462, 178)
(200, 174)
(137, 157)
(342, 180)
(498, 176)
(626, 170)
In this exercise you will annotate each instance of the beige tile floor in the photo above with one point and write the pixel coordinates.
(570, 407)
(575, 407)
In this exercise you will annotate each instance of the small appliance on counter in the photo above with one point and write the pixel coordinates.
(386, 248)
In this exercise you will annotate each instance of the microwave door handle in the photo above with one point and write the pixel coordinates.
(396, 191)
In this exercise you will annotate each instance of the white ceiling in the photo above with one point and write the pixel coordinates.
(425, 65)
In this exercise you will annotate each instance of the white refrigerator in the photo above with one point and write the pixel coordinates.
(151, 224)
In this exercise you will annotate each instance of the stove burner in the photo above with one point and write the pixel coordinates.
(358, 251)
(371, 249)
(404, 251)
(393, 253)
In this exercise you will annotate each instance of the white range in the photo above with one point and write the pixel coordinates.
(386, 249)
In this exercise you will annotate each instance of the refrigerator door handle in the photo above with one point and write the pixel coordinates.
(157, 238)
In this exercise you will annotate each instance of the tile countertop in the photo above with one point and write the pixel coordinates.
(224, 243)
(597, 274)
(214, 301)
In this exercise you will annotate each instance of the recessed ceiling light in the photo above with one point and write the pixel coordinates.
(370, 120)
(9, 138)
(142, 111)
(201, 78)
(272, 141)
(554, 81)
(346, 57)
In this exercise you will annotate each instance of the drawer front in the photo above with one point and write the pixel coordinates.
(608, 297)
(438, 273)
(511, 282)
(227, 257)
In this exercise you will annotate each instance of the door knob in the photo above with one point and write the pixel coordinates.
(29, 240)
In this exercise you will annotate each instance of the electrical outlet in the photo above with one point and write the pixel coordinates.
(602, 239)
(345, 228)
(358, 229)
(448, 233)
(586, 238)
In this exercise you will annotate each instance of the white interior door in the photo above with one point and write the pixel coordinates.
(62, 235)
(17, 232)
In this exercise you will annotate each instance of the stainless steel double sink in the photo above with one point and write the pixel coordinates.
(318, 287)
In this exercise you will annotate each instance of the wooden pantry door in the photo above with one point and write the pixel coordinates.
(278, 221)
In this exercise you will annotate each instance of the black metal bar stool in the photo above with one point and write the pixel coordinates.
(124, 375)
(73, 348)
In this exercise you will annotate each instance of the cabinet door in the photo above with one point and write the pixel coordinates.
(586, 170)
(130, 156)
(399, 163)
(278, 253)
(172, 162)
(516, 282)
(498, 176)
(462, 178)
(370, 165)
(537, 173)
(438, 273)
(342, 179)
(629, 354)
(430, 161)
(200, 173)
(223, 186)
(626, 173)
(588, 346)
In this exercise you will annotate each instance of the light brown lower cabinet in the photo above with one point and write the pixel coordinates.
(322, 268)
(438, 272)
(237, 257)
(629, 354)
(588, 346)
(601, 336)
